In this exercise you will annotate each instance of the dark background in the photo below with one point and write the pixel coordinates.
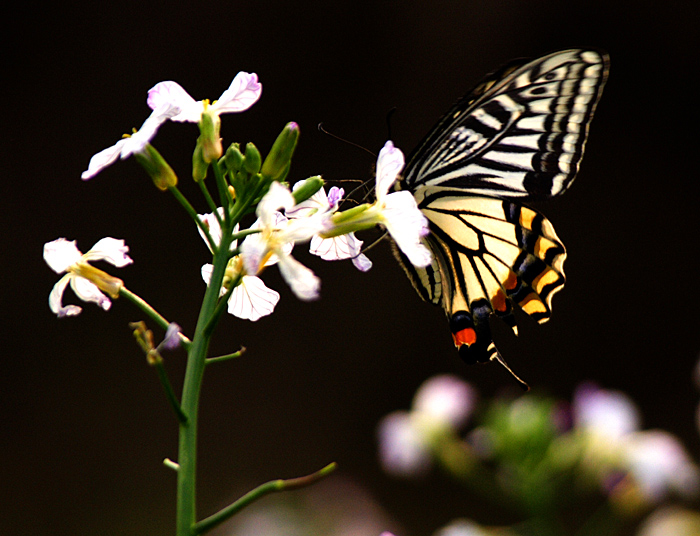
(84, 424)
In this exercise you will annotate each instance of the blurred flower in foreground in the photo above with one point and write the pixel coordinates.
(671, 521)
(441, 406)
(86, 281)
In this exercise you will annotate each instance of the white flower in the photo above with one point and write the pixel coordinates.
(277, 236)
(446, 399)
(398, 211)
(341, 247)
(135, 143)
(251, 299)
(403, 449)
(64, 257)
(609, 415)
(243, 92)
(660, 464)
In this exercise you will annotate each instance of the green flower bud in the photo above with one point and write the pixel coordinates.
(309, 187)
(234, 157)
(277, 163)
(252, 160)
(157, 168)
(199, 164)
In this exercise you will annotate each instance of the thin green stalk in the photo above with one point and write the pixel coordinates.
(209, 199)
(227, 357)
(150, 312)
(193, 214)
(194, 374)
(255, 494)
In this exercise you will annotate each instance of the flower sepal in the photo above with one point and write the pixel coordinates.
(309, 187)
(157, 168)
(278, 160)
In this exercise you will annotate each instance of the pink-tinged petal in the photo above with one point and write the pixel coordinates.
(301, 280)
(251, 299)
(252, 250)
(402, 448)
(362, 262)
(88, 292)
(103, 159)
(171, 95)
(56, 299)
(335, 195)
(112, 250)
(243, 92)
(61, 254)
(316, 203)
(389, 164)
(172, 338)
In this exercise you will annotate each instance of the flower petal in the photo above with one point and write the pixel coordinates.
(61, 254)
(137, 142)
(171, 94)
(407, 224)
(88, 291)
(251, 299)
(277, 197)
(211, 221)
(301, 279)
(389, 164)
(243, 92)
(103, 159)
(112, 250)
(56, 299)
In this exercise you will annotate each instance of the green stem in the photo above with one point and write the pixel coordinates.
(220, 358)
(209, 199)
(194, 374)
(255, 494)
(150, 312)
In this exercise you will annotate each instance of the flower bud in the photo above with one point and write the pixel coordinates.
(277, 163)
(155, 165)
(199, 165)
(234, 157)
(251, 162)
(309, 187)
(209, 127)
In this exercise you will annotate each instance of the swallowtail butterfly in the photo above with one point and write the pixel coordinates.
(519, 135)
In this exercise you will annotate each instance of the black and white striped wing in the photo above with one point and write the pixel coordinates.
(520, 134)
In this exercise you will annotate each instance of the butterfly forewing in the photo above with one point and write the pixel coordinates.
(519, 134)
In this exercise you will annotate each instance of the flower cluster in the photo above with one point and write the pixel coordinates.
(539, 454)
(306, 213)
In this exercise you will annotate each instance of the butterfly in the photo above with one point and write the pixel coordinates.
(518, 135)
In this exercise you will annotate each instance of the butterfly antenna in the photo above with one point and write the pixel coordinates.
(374, 244)
(498, 357)
(321, 129)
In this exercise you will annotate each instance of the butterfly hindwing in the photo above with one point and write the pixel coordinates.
(518, 135)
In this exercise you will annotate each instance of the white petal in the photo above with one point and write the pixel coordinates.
(88, 291)
(402, 449)
(277, 197)
(56, 299)
(61, 254)
(212, 223)
(103, 159)
(172, 94)
(362, 262)
(407, 224)
(389, 164)
(112, 250)
(302, 229)
(207, 270)
(446, 398)
(315, 203)
(301, 279)
(243, 92)
(609, 414)
(136, 143)
(251, 299)
(252, 250)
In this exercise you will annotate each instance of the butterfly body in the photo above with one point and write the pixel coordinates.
(519, 135)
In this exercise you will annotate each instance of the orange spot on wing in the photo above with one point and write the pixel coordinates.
(511, 282)
(498, 301)
(465, 336)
